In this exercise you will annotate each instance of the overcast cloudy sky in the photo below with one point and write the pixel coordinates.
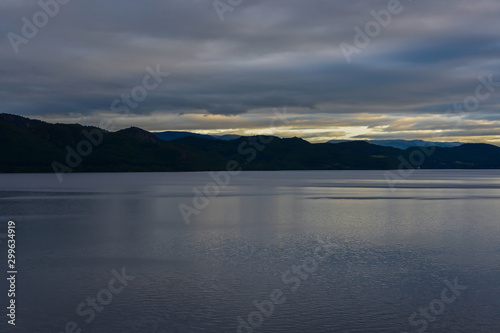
(230, 66)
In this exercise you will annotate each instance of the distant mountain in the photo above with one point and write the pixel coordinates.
(227, 137)
(405, 144)
(34, 146)
(174, 135)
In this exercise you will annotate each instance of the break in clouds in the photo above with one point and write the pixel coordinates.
(229, 63)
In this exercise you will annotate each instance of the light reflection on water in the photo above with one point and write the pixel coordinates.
(394, 250)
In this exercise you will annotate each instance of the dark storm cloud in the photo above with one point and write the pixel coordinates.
(264, 54)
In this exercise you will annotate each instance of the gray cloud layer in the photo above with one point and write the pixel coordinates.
(264, 54)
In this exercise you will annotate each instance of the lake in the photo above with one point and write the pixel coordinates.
(294, 251)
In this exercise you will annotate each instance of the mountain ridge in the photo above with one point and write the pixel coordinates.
(174, 135)
(405, 144)
(28, 145)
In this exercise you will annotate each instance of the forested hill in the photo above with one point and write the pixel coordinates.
(28, 145)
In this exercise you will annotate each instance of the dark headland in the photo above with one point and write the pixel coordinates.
(28, 145)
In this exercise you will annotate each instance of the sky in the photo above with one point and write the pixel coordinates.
(316, 69)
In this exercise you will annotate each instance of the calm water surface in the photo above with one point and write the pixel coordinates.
(343, 252)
